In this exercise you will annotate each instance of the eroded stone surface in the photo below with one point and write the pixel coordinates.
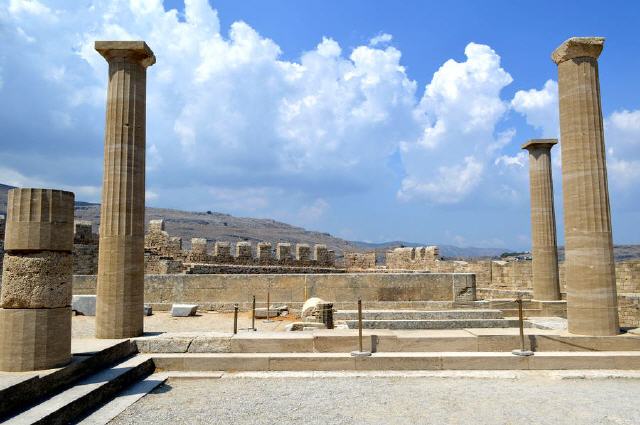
(37, 280)
(577, 47)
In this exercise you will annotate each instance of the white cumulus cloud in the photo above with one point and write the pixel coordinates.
(459, 112)
(540, 108)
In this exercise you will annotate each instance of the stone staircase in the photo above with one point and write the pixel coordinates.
(419, 319)
(68, 394)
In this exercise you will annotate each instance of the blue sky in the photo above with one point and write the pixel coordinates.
(371, 120)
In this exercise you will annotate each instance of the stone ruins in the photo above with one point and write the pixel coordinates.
(164, 255)
(35, 300)
(120, 301)
(460, 314)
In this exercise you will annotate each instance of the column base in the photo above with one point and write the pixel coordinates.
(34, 339)
(593, 321)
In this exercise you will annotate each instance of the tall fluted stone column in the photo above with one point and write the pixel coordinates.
(592, 306)
(120, 289)
(35, 299)
(544, 248)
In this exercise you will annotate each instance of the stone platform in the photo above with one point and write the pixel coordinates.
(345, 341)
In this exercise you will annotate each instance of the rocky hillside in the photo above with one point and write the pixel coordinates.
(225, 227)
(218, 226)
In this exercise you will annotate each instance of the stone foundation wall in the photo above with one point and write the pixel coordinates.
(208, 289)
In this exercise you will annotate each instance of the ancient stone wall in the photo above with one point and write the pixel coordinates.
(164, 254)
(412, 258)
(360, 260)
(85, 249)
(209, 290)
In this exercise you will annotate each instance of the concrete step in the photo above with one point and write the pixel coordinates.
(27, 392)
(418, 314)
(124, 399)
(623, 360)
(433, 324)
(87, 394)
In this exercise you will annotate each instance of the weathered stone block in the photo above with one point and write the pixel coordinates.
(39, 219)
(265, 254)
(283, 251)
(156, 225)
(37, 280)
(243, 252)
(198, 253)
(222, 251)
(303, 252)
(83, 233)
(148, 311)
(34, 339)
(184, 310)
(360, 260)
(84, 305)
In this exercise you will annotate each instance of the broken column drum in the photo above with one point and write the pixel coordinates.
(592, 307)
(120, 288)
(35, 299)
(544, 248)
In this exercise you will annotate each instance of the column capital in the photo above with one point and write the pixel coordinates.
(539, 143)
(577, 47)
(137, 51)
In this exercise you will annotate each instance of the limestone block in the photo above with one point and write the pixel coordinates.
(222, 251)
(303, 252)
(83, 233)
(198, 253)
(174, 246)
(243, 252)
(322, 255)
(156, 225)
(265, 255)
(37, 280)
(310, 306)
(184, 310)
(578, 47)
(84, 305)
(34, 339)
(39, 219)
(360, 260)
(283, 251)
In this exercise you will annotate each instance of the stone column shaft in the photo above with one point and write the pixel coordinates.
(120, 289)
(592, 306)
(544, 248)
(35, 297)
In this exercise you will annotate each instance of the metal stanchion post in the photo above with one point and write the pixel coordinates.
(522, 351)
(361, 352)
(235, 319)
(253, 314)
(268, 307)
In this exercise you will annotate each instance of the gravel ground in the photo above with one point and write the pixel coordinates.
(530, 399)
(162, 321)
